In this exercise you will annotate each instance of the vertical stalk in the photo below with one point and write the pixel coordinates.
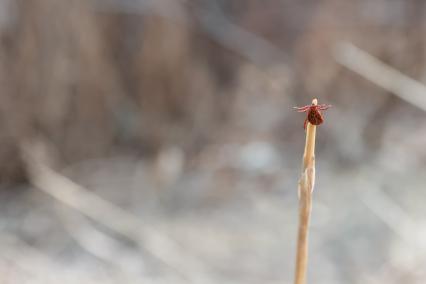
(306, 186)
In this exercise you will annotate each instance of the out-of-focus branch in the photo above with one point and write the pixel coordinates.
(408, 229)
(381, 74)
(113, 217)
(213, 21)
(255, 48)
(170, 9)
(395, 217)
(128, 266)
(27, 257)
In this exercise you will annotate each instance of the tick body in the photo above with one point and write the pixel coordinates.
(314, 115)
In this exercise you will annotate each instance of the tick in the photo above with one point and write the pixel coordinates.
(314, 115)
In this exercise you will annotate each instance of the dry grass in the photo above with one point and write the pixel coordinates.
(306, 187)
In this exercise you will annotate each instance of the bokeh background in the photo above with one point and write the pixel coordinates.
(148, 141)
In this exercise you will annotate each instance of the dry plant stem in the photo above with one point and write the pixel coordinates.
(306, 186)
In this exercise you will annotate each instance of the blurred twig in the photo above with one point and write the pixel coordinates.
(112, 217)
(213, 21)
(32, 264)
(170, 9)
(395, 217)
(127, 266)
(381, 74)
(254, 47)
(410, 231)
(15, 249)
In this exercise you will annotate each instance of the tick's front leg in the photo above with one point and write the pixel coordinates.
(301, 109)
(323, 107)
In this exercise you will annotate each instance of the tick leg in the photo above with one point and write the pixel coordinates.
(323, 107)
(305, 123)
(301, 109)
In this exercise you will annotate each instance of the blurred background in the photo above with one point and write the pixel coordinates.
(154, 141)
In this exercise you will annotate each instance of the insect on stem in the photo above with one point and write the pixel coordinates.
(306, 186)
(314, 115)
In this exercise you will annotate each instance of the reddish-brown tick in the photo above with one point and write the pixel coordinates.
(314, 115)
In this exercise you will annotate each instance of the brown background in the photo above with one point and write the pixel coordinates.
(180, 112)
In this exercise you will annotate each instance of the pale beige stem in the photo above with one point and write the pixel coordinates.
(306, 186)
